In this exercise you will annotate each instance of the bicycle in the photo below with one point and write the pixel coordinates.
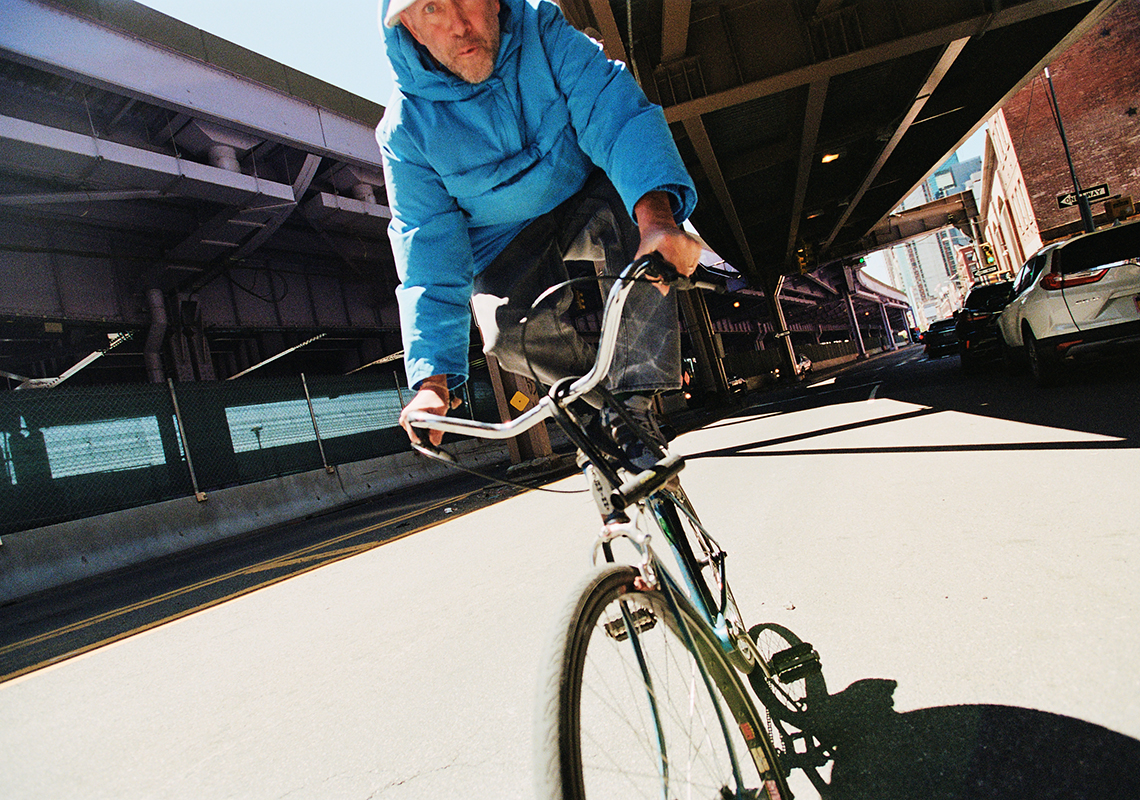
(642, 693)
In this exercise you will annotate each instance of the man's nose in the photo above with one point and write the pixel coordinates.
(460, 23)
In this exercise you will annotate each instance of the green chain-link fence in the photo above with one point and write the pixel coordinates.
(70, 453)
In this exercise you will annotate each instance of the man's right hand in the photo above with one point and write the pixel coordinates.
(432, 398)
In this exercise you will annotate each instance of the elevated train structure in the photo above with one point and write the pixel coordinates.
(223, 209)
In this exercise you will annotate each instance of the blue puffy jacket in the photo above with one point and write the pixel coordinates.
(468, 166)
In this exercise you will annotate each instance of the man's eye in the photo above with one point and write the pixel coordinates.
(429, 8)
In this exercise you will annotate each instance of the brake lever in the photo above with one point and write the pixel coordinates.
(657, 267)
(434, 452)
(686, 284)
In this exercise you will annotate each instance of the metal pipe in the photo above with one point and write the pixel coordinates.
(272, 358)
(316, 430)
(200, 496)
(152, 351)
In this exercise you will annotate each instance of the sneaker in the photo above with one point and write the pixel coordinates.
(640, 407)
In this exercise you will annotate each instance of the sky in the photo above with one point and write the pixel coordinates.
(339, 42)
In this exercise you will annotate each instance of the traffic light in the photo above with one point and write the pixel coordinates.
(805, 254)
(988, 254)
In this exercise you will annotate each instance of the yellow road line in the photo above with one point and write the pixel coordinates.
(143, 628)
(295, 557)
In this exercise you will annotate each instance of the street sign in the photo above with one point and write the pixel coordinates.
(1069, 199)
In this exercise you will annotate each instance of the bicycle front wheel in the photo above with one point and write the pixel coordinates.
(626, 710)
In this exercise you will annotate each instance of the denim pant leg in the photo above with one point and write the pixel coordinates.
(591, 226)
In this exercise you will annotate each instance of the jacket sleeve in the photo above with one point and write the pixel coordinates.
(434, 262)
(617, 126)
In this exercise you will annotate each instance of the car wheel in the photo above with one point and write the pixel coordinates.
(968, 362)
(1009, 355)
(1043, 364)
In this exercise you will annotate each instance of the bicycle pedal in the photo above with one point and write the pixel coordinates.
(792, 664)
(643, 620)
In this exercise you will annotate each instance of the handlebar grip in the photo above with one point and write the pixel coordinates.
(422, 419)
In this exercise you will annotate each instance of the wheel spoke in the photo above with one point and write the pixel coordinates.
(636, 692)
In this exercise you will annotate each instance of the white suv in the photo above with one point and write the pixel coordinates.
(1074, 299)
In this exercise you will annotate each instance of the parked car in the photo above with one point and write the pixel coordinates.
(976, 326)
(1074, 300)
(940, 338)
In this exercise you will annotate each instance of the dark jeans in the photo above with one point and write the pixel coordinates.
(592, 226)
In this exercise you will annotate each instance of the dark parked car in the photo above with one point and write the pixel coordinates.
(940, 338)
(976, 325)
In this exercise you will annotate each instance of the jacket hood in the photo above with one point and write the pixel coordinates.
(417, 74)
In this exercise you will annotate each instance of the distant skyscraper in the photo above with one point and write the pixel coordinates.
(928, 268)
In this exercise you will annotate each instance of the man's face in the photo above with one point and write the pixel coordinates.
(462, 35)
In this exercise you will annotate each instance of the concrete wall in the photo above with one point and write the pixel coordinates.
(53, 556)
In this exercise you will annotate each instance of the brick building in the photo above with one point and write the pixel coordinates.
(1097, 84)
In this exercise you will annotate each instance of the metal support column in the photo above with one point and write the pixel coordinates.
(199, 495)
(316, 431)
(891, 343)
(852, 315)
(782, 332)
(699, 326)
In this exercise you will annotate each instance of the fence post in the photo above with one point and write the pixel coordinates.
(200, 496)
(316, 430)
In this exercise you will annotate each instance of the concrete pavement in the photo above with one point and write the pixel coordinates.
(943, 583)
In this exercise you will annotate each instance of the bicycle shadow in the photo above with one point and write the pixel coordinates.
(979, 752)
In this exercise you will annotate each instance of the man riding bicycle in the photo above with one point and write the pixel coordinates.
(511, 146)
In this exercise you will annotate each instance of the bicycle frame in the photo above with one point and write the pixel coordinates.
(734, 641)
(640, 487)
(722, 646)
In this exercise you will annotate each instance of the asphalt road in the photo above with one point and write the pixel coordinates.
(962, 552)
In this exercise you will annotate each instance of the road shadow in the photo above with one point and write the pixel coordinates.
(972, 752)
(1088, 401)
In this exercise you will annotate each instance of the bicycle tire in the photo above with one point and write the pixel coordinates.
(598, 729)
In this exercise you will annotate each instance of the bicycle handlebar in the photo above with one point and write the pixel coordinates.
(652, 265)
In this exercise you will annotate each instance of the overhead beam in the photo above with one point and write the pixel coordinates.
(878, 54)
(911, 223)
(85, 50)
(1094, 16)
(608, 27)
(813, 113)
(937, 73)
(69, 156)
(53, 198)
(674, 29)
(699, 137)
